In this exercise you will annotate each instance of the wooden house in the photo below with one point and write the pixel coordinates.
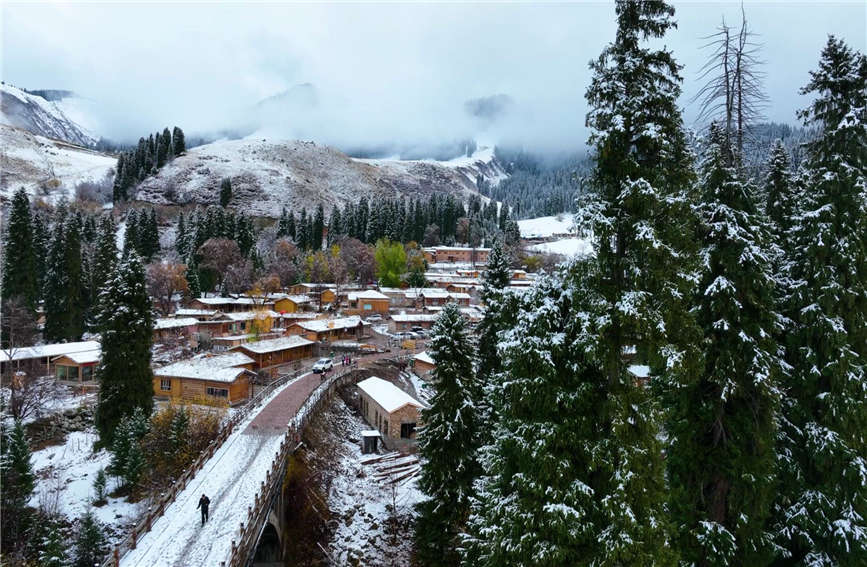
(369, 301)
(321, 330)
(209, 379)
(270, 355)
(175, 328)
(406, 321)
(39, 358)
(76, 367)
(422, 363)
(393, 412)
(291, 303)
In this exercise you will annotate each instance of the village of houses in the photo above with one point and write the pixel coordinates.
(218, 350)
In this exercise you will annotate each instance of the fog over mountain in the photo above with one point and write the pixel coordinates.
(404, 78)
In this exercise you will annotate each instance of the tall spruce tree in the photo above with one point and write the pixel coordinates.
(40, 250)
(449, 441)
(64, 301)
(131, 236)
(124, 371)
(639, 211)
(16, 470)
(225, 192)
(722, 425)
(178, 142)
(822, 508)
(560, 488)
(19, 255)
(90, 542)
(318, 227)
(104, 264)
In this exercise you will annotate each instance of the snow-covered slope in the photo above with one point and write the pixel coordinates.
(45, 167)
(43, 117)
(482, 164)
(268, 174)
(544, 227)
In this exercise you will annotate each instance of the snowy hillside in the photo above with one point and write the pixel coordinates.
(52, 119)
(47, 168)
(482, 163)
(268, 174)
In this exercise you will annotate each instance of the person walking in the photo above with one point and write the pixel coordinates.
(204, 502)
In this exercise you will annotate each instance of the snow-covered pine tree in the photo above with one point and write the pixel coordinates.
(822, 508)
(16, 470)
(104, 263)
(124, 371)
(19, 258)
(194, 287)
(149, 235)
(40, 250)
(722, 425)
(560, 487)
(53, 548)
(90, 543)
(448, 442)
(131, 236)
(178, 142)
(318, 227)
(225, 192)
(781, 197)
(64, 307)
(639, 211)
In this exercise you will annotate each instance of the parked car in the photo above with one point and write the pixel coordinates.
(419, 331)
(323, 365)
(374, 318)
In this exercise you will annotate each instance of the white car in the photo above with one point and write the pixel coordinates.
(323, 365)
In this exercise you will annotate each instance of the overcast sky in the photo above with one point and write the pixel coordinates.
(381, 72)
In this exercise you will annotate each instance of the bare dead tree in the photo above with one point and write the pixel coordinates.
(733, 93)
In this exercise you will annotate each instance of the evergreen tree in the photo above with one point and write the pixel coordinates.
(178, 143)
(99, 487)
(722, 425)
(53, 549)
(90, 543)
(127, 459)
(163, 143)
(124, 370)
(781, 203)
(225, 192)
(303, 231)
(822, 508)
(290, 226)
(194, 288)
(182, 244)
(318, 228)
(64, 302)
(449, 441)
(561, 487)
(16, 471)
(283, 224)
(40, 251)
(19, 255)
(131, 238)
(104, 262)
(118, 190)
(149, 235)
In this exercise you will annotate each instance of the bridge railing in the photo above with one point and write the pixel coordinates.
(157, 509)
(244, 546)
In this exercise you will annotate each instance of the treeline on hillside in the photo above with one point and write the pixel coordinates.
(693, 393)
(145, 159)
(535, 188)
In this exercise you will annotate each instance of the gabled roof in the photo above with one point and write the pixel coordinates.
(84, 357)
(387, 395)
(424, 357)
(174, 322)
(274, 345)
(220, 368)
(369, 294)
(320, 325)
(43, 351)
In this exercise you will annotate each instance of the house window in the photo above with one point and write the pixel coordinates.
(218, 392)
(86, 373)
(62, 372)
(368, 306)
(166, 385)
(407, 430)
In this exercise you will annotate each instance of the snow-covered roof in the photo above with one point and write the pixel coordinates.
(274, 345)
(174, 322)
(459, 295)
(84, 357)
(543, 227)
(459, 248)
(219, 368)
(369, 294)
(424, 357)
(296, 298)
(42, 351)
(387, 395)
(247, 315)
(436, 293)
(196, 312)
(319, 325)
(410, 317)
(640, 370)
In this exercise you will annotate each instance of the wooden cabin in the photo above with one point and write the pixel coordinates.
(422, 363)
(369, 301)
(393, 412)
(406, 321)
(76, 367)
(291, 303)
(346, 328)
(39, 358)
(270, 355)
(175, 328)
(210, 379)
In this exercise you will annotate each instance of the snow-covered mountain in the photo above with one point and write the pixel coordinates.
(269, 174)
(45, 167)
(56, 118)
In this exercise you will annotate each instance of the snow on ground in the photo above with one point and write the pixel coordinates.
(65, 475)
(231, 479)
(32, 162)
(362, 504)
(544, 227)
(565, 247)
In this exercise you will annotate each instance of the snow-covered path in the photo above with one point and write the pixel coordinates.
(230, 479)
